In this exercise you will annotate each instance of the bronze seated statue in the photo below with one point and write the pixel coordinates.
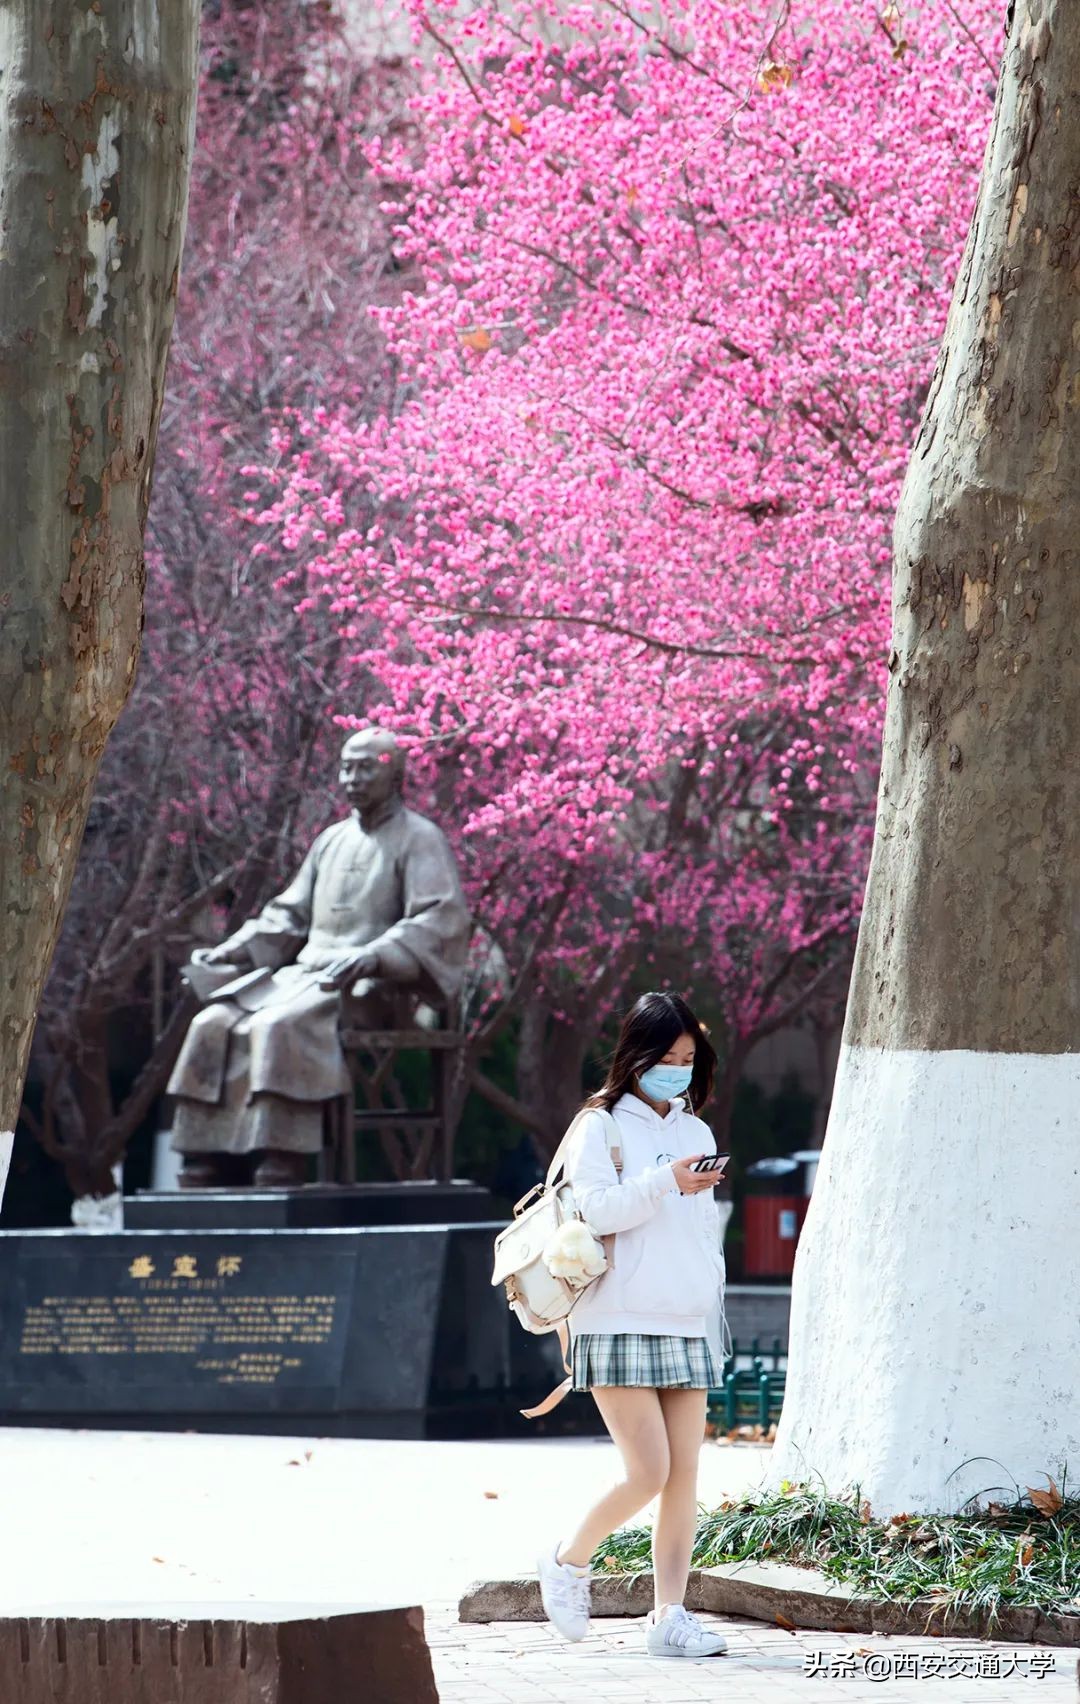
(375, 915)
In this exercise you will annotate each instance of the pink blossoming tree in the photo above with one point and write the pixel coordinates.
(616, 560)
(594, 508)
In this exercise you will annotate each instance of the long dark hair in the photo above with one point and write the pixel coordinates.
(651, 1027)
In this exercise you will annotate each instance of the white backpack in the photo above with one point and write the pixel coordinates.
(547, 1256)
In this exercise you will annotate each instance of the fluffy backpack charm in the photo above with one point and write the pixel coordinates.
(573, 1253)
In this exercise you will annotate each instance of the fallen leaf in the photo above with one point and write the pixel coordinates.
(782, 1621)
(493, 1495)
(160, 1559)
(1047, 1502)
(1021, 1555)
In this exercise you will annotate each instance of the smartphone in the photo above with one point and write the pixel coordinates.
(711, 1163)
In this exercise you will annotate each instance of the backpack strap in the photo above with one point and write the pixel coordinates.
(612, 1136)
(563, 1389)
(614, 1141)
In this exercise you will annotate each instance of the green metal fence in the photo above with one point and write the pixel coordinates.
(749, 1395)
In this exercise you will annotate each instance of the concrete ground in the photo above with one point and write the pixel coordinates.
(95, 1518)
(182, 1517)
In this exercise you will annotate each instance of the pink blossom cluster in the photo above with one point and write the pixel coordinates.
(615, 559)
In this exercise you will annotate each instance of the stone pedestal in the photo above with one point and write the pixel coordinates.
(311, 1206)
(391, 1331)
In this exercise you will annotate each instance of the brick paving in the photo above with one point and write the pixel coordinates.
(528, 1663)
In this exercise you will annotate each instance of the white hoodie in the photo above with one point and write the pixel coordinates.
(668, 1272)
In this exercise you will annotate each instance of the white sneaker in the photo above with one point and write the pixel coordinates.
(565, 1596)
(680, 1634)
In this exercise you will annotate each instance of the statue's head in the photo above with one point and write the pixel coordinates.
(372, 768)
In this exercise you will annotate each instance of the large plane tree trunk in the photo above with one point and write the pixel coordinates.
(935, 1332)
(97, 110)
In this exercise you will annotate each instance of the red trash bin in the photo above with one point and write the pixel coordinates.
(773, 1212)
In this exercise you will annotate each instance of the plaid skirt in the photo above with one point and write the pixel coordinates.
(636, 1358)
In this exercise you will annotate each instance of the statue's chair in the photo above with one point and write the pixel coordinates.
(417, 1142)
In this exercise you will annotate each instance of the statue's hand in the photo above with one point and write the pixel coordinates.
(345, 971)
(222, 954)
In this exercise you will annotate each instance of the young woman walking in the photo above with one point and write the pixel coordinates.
(639, 1334)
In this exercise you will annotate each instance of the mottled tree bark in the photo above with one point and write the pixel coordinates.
(96, 130)
(972, 934)
(933, 1315)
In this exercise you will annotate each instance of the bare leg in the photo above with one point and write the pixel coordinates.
(635, 1421)
(676, 1519)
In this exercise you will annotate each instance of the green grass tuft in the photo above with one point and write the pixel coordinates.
(1023, 1554)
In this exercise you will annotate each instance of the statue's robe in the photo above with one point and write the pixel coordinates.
(262, 1057)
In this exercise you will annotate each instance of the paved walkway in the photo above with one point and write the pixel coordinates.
(175, 1518)
(508, 1663)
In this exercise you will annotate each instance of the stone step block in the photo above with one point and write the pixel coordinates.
(216, 1654)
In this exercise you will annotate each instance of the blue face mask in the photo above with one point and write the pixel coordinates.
(663, 1082)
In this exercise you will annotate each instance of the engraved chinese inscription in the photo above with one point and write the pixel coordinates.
(229, 1325)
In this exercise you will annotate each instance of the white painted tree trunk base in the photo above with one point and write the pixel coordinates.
(902, 1369)
(7, 1144)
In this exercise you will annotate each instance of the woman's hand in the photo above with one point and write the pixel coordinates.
(690, 1182)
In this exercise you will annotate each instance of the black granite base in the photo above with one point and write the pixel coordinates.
(392, 1331)
(310, 1206)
